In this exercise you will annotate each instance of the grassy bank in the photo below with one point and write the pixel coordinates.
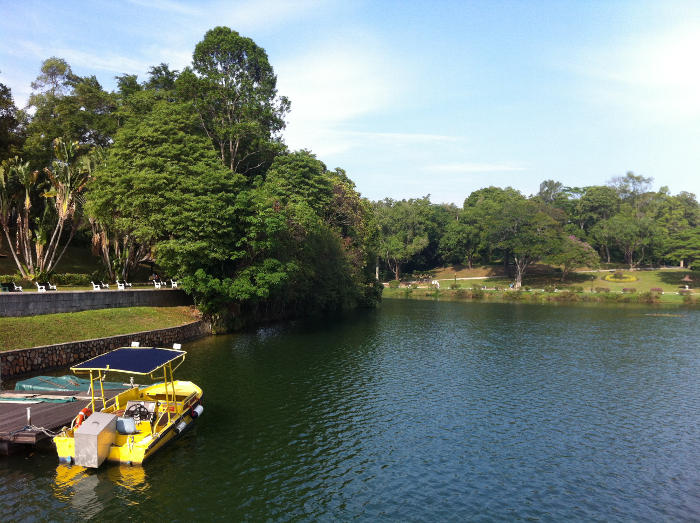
(34, 331)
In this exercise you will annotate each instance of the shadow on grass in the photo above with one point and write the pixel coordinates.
(675, 278)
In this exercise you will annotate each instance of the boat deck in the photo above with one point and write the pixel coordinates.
(49, 415)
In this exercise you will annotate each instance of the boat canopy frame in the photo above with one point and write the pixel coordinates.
(151, 359)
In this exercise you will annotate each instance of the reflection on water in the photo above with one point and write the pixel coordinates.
(419, 411)
(75, 482)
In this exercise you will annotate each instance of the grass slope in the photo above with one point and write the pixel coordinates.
(35, 331)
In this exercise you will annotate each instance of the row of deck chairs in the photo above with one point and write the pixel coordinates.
(48, 286)
(122, 285)
(41, 286)
(160, 283)
(10, 287)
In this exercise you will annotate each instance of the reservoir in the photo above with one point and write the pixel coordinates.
(418, 411)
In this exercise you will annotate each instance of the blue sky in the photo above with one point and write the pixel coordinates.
(431, 97)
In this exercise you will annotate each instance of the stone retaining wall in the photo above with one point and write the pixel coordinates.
(14, 363)
(51, 302)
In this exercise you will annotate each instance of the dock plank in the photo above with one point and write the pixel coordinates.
(51, 416)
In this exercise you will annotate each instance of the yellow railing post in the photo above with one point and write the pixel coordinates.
(102, 390)
(92, 393)
(167, 397)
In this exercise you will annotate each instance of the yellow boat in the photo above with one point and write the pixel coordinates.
(133, 425)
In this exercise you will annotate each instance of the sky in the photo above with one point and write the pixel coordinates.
(416, 98)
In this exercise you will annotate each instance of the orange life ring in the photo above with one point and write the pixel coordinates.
(82, 416)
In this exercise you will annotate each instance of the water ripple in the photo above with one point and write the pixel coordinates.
(421, 411)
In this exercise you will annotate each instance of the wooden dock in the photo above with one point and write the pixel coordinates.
(45, 414)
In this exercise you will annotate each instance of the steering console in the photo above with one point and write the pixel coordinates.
(138, 412)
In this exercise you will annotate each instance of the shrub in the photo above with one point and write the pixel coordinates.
(17, 280)
(515, 295)
(648, 297)
(70, 279)
(527, 288)
(657, 289)
(688, 300)
(414, 286)
(567, 296)
(629, 290)
(454, 286)
(602, 289)
(477, 293)
(394, 284)
(577, 288)
(462, 294)
(619, 277)
(549, 288)
(407, 292)
(685, 292)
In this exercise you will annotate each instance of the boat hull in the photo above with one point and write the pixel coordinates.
(171, 418)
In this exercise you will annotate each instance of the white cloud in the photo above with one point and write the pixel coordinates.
(332, 87)
(653, 75)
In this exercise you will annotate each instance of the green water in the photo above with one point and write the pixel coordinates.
(420, 411)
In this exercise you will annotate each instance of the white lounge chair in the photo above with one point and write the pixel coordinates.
(173, 284)
(51, 287)
(95, 286)
(157, 283)
(104, 285)
(120, 286)
(40, 288)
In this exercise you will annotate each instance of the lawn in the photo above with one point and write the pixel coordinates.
(667, 279)
(35, 331)
(585, 285)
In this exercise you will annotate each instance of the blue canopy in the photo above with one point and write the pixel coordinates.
(133, 361)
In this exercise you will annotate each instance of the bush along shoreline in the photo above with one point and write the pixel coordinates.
(602, 296)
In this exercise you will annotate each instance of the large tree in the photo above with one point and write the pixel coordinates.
(528, 233)
(69, 107)
(405, 230)
(157, 166)
(461, 240)
(234, 91)
(574, 254)
(11, 134)
(43, 232)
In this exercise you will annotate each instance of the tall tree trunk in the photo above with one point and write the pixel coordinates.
(14, 254)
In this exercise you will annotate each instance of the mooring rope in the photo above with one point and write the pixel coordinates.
(34, 428)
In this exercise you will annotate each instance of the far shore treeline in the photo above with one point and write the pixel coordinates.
(624, 222)
(187, 170)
